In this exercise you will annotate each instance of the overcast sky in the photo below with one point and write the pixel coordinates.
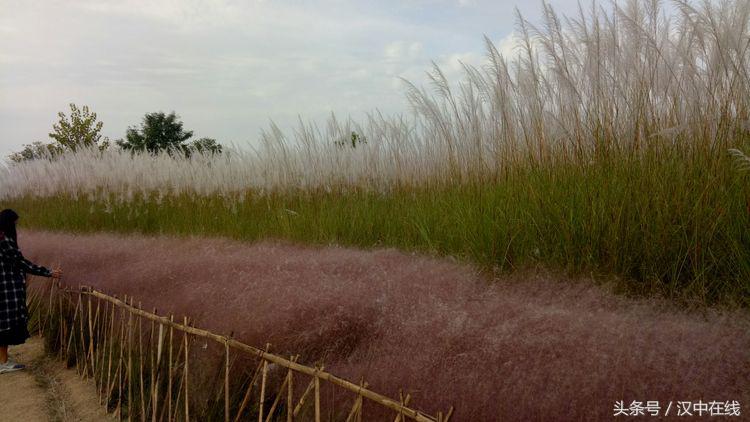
(228, 67)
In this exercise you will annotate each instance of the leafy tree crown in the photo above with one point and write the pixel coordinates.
(81, 129)
(158, 132)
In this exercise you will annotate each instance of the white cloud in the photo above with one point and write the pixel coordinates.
(184, 13)
(227, 66)
(415, 49)
(508, 45)
(398, 50)
(393, 50)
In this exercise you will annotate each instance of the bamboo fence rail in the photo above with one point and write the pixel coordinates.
(144, 374)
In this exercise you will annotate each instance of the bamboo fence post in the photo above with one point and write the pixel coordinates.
(449, 414)
(303, 398)
(116, 373)
(400, 411)
(76, 334)
(152, 379)
(91, 334)
(177, 402)
(277, 400)
(332, 410)
(179, 387)
(226, 383)
(72, 333)
(356, 412)
(150, 352)
(248, 392)
(153, 338)
(169, 371)
(99, 378)
(155, 379)
(130, 363)
(92, 330)
(182, 380)
(97, 338)
(290, 397)
(97, 334)
(140, 367)
(353, 411)
(107, 356)
(187, 385)
(404, 403)
(73, 343)
(101, 350)
(122, 361)
(262, 390)
(111, 350)
(83, 339)
(317, 398)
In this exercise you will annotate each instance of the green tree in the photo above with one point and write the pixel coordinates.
(158, 132)
(81, 129)
(35, 151)
(203, 146)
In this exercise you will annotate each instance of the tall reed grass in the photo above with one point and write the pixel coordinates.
(601, 145)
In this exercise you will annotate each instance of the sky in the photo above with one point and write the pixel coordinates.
(228, 68)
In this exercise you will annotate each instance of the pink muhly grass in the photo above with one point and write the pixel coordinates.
(533, 347)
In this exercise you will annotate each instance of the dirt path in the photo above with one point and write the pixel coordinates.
(46, 391)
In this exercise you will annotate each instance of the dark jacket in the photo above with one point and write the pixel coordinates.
(13, 269)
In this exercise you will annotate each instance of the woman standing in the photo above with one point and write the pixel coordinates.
(13, 268)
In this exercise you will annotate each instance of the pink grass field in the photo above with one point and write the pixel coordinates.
(527, 347)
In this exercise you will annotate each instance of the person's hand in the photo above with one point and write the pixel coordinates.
(57, 273)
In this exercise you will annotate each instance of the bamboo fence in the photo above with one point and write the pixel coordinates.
(141, 365)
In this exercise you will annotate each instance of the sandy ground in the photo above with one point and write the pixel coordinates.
(46, 391)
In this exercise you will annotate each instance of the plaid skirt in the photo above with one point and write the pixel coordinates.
(15, 336)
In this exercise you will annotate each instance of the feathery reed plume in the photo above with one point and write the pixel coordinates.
(601, 82)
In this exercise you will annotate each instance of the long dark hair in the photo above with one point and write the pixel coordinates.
(8, 220)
